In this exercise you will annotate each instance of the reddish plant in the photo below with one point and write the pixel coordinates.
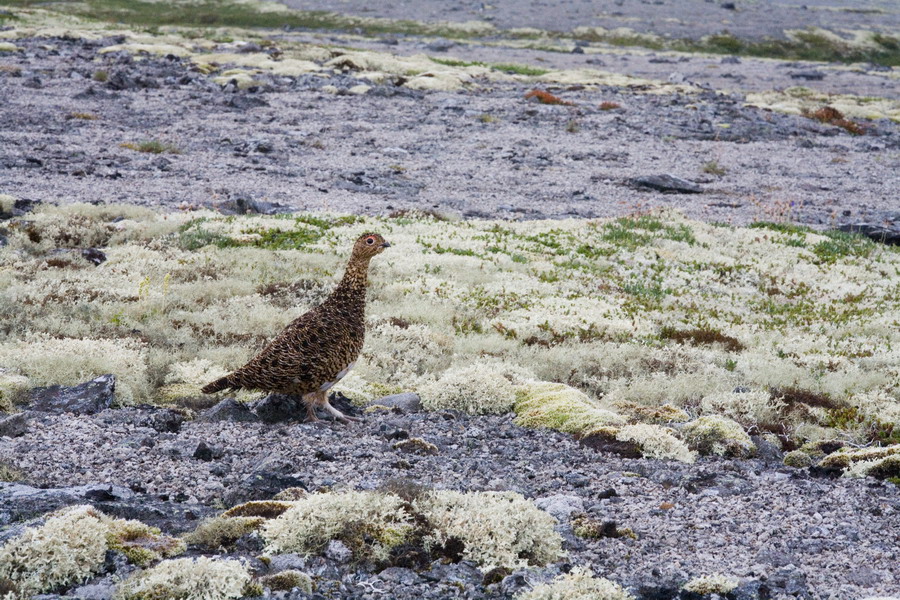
(545, 97)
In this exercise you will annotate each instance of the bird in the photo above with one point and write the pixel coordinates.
(318, 348)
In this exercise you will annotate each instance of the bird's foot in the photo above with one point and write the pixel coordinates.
(339, 415)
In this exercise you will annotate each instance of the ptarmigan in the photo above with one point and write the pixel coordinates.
(318, 348)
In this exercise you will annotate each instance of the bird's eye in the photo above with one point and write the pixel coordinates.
(370, 240)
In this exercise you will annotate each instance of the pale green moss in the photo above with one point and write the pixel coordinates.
(797, 459)
(221, 531)
(847, 457)
(561, 407)
(198, 578)
(69, 547)
(288, 580)
(579, 584)
(712, 434)
(13, 390)
(140, 543)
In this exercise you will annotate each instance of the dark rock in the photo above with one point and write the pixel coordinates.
(161, 163)
(666, 183)
(94, 256)
(343, 404)
(21, 502)
(788, 581)
(262, 485)
(767, 451)
(120, 80)
(85, 399)
(400, 576)
(165, 420)
(577, 479)
(440, 45)
(462, 573)
(730, 60)
(807, 75)
(408, 402)
(577, 50)
(826, 472)
(729, 6)
(883, 234)
(228, 409)
(207, 453)
(245, 102)
(33, 82)
(602, 443)
(279, 408)
(13, 425)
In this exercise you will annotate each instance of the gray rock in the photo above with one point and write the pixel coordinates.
(560, 506)
(207, 453)
(338, 552)
(462, 573)
(807, 75)
(407, 402)
(400, 576)
(84, 399)
(279, 408)
(228, 409)
(875, 231)
(284, 562)
(666, 183)
(96, 591)
(13, 425)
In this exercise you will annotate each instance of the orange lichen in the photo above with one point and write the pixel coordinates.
(545, 97)
(606, 105)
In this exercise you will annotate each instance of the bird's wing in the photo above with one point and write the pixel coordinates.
(291, 357)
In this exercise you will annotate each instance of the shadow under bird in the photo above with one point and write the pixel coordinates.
(318, 348)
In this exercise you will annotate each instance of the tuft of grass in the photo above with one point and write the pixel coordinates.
(606, 105)
(572, 126)
(517, 69)
(701, 336)
(714, 168)
(487, 118)
(841, 245)
(151, 147)
(84, 116)
(100, 76)
(9, 473)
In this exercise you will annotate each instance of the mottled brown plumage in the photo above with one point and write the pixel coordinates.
(317, 348)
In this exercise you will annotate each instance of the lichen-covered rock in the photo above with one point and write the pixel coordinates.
(656, 441)
(560, 407)
(879, 461)
(579, 584)
(369, 523)
(84, 399)
(713, 434)
(198, 578)
(476, 389)
(797, 459)
(140, 543)
(287, 580)
(711, 584)
(498, 529)
(220, 531)
(68, 548)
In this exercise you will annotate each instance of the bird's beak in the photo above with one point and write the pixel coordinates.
(386, 245)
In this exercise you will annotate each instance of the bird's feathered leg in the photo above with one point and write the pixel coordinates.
(335, 412)
(310, 401)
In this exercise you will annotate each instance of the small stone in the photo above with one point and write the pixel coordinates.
(666, 183)
(407, 402)
(399, 575)
(577, 479)
(94, 256)
(560, 506)
(207, 453)
(279, 408)
(13, 425)
(338, 552)
(228, 409)
(84, 399)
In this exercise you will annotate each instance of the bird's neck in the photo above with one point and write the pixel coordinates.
(351, 290)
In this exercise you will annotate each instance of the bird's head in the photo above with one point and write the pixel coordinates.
(368, 245)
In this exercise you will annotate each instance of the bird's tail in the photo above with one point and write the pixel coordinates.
(222, 383)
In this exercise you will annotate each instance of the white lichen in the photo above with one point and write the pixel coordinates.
(656, 441)
(476, 389)
(199, 578)
(68, 548)
(711, 584)
(579, 584)
(713, 434)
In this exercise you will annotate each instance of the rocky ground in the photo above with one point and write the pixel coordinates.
(785, 533)
(485, 151)
(481, 152)
(675, 18)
